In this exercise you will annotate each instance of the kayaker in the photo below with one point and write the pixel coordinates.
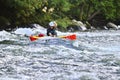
(51, 29)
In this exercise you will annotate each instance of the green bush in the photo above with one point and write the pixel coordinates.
(63, 23)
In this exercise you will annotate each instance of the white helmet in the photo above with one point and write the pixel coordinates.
(52, 23)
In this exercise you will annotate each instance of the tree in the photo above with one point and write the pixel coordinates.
(42, 11)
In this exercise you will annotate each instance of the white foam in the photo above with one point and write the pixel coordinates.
(24, 31)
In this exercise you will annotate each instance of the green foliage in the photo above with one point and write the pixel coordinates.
(63, 23)
(108, 9)
(42, 11)
(60, 5)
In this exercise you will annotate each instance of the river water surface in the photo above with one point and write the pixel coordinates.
(93, 56)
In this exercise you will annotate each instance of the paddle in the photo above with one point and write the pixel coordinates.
(70, 37)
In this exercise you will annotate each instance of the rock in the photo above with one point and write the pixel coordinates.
(118, 26)
(79, 24)
(105, 27)
(83, 28)
(72, 28)
(88, 25)
(112, 25)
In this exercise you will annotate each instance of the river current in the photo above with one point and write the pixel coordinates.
(94, 55)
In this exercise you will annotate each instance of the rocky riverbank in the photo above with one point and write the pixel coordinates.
(74, 26)
(80, 26)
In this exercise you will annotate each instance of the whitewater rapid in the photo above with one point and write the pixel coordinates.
(93, 55)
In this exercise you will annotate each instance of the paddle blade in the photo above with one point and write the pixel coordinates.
(70, 37)
(33, 38)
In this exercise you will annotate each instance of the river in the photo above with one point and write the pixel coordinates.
(94, 55)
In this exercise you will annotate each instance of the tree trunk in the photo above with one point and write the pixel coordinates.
(94, 14)
(81, 11)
